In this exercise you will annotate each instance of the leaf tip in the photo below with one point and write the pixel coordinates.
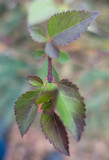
(64, 151)
(96, 14)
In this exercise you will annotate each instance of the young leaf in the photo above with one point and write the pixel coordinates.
(48, 93)
(37, 35)
(55, 131)
(38, 54)
(45, 97)
(52, 50)
(26, 110)
(71, 107)
(50, 87)
(64, 57)
(48, 107)
(34, 80)
(66, 27)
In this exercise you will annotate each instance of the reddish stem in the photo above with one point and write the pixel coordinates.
(53, 80)
(49, 70)
(39, 108)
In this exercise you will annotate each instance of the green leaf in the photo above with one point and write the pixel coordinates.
(48, 107)
(40, 11)
(64, 57)
(52, 50)
(45, 97)
(71, 107)
(26, 110)
(55, 131)
(49, 87)
(37, 35)
(65, 27)
(48, 93)
(38, 54)
(34, 80)
(43, 71)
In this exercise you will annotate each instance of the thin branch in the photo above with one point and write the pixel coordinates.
(49, 70)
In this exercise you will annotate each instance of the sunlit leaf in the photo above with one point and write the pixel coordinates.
(25, 110)
(37, 35)
(34, 80)
(71, 107)
(55, 131)
(66, 27)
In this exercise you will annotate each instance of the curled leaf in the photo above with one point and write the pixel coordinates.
(34, 80)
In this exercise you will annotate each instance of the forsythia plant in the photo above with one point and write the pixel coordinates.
(61, 103)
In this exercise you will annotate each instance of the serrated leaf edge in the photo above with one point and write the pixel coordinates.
(16, 113)
(84, 116)
(79, 35)
(85, 11)
(51, 141)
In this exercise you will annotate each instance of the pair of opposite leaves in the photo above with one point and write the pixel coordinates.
(70, 106)
(63, 28)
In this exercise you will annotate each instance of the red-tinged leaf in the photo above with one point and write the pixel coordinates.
(71, 107)
(68, 26)
(55, 131)
(34, 80)
(25, 110)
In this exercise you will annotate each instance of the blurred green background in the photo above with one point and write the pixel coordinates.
(88, 68)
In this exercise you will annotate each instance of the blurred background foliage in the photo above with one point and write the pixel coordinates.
(88, 68)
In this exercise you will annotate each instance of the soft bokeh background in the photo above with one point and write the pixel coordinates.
(88, 68)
